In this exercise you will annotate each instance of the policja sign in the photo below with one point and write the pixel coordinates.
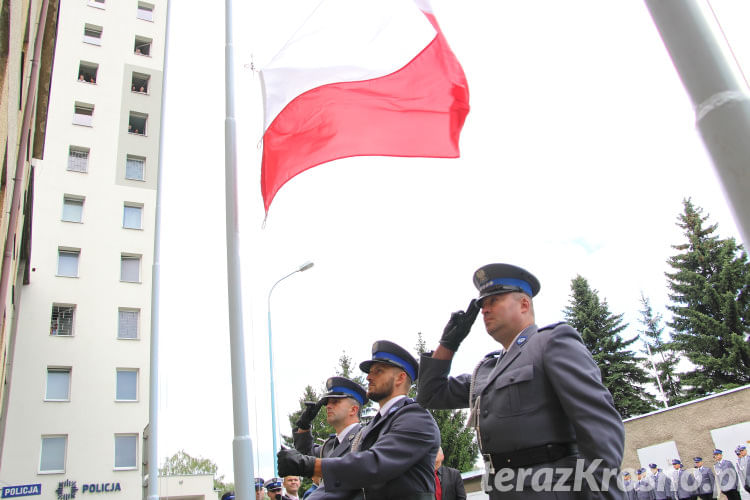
(22, 490)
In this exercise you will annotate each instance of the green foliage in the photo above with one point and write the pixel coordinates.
(182, 463)
(622, 373)
(663, 357)
(710, 294)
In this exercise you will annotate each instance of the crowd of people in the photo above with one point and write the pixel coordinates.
(682, 484)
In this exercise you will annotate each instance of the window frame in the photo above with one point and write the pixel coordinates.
(135, 448)
(73, 309)
(145, 5)
(136, 397)
(73, 198)
(132, 205)
(70, 251)
(71, 155)
(58, 369)
(78, 118)
(136, 158)
(93, 28)
(137, 322)
(130, 257)
(41, 454)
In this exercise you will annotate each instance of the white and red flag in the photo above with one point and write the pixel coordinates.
(361, 78)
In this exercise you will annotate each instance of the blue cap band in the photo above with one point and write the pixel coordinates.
(403, 364)
(510, 282)
(350, 392)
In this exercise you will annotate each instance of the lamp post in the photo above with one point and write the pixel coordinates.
(303, 267)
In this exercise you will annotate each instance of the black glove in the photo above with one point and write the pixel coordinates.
(458, 326)
(304, 420)
(293, 463)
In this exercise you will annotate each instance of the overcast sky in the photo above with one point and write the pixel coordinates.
(575, 157)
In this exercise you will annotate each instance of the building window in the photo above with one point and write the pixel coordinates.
(58, 384)
(127, 384)
(67, 262)
(92, 34)
(87, 72)
(145, 11)
(130, 268)
(126, 451)
(134, 168)
(139, 82)
(52, 456)
(131, 216)
(61, 323)
(137, 123)
(83, 114)
(99, 4)
(78, 159)
(72, 208)
(142, 46)
(127, 323)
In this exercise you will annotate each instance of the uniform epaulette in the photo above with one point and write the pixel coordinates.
(553, 325)
(493, 354)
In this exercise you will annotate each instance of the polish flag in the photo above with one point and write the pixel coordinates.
(361, 78)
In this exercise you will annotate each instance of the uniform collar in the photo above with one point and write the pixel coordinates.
(341, 435)
(386, 407)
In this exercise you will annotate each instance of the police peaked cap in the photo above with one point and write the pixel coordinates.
(341, 387)
(494, 279)
(389, 353)
(698, 459)
(259, 483)
(273, 484)
(718, 452)
(641, 470)
(676, 462)
(652, 466)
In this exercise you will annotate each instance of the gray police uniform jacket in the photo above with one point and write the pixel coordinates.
(684, 484)
(394, 458)
(742, 463)
(545, 389)
(629, 487)
(644, 489)
(726, 476)
(303, 443)
(706, 483)
(662, 485)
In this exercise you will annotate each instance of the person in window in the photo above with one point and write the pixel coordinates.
(81, 78)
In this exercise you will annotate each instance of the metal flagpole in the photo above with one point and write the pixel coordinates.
(720, 98)
(152, 484)
(242, 443)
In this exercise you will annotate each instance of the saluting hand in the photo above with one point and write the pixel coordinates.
(458, 326)
(293, 463)
(304, 421)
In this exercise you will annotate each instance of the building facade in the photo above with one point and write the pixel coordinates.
(27, 41)
(79, 383)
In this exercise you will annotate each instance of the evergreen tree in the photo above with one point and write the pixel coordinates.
(710, 294)
(622, 373)
(459, 444)
(660, 353)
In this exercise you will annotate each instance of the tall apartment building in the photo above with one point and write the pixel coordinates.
(27, 42)
(78, 398)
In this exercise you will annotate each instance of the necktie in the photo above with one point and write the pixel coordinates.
(438, 487)
(336, 443)
(375, 420)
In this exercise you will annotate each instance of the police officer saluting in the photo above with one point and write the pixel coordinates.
(343, 401)
(393, 458)
(537, 405)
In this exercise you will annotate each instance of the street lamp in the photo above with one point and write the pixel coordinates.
(303, 267)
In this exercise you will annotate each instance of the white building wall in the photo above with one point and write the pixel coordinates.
(92, 417)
